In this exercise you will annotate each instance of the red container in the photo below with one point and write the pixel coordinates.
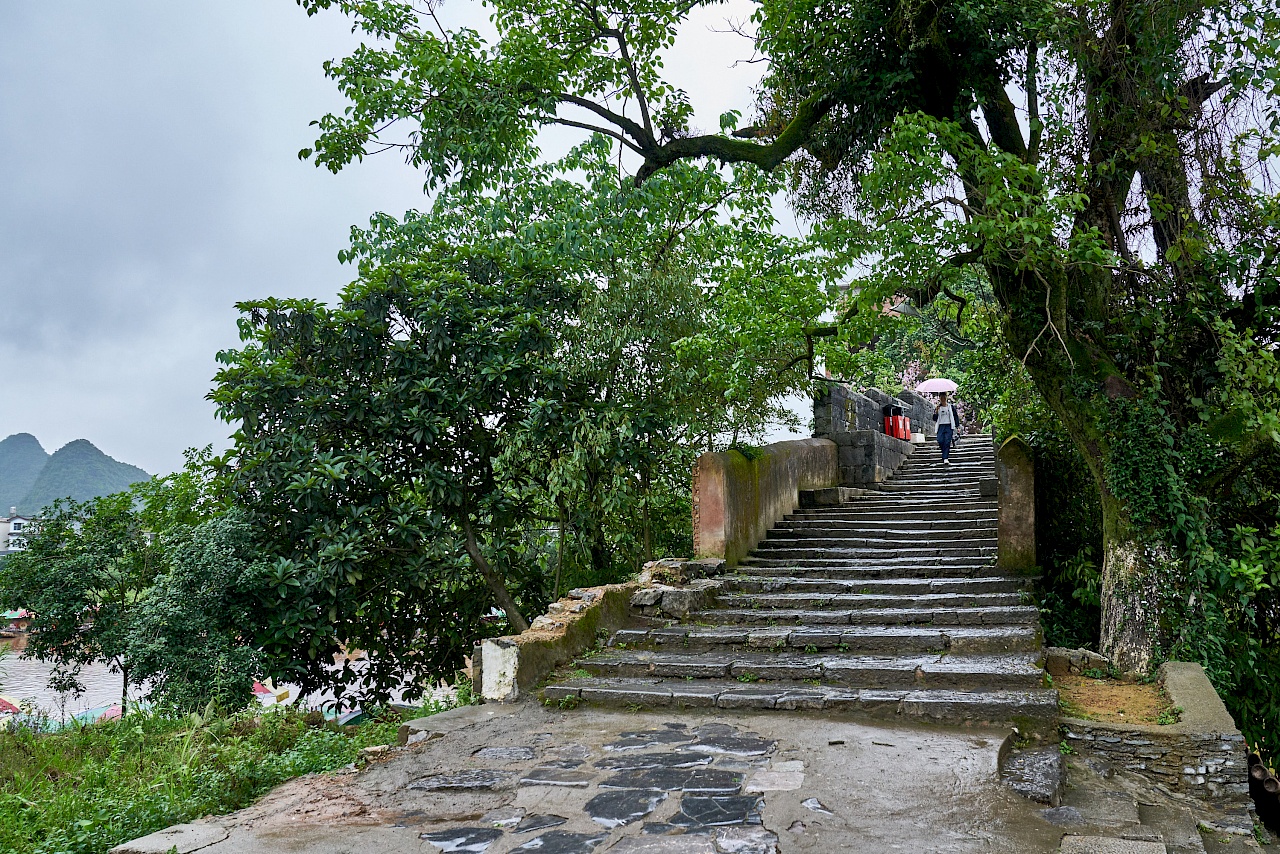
(890, 427)
(906, 428)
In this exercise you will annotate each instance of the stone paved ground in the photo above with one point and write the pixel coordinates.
(527, 778)
(597, 781)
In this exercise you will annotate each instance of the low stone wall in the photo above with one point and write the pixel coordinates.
(512, 666)
(868, 456)
(736, 500)
(1203, 755)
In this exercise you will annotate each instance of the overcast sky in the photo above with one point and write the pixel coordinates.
(149, 180)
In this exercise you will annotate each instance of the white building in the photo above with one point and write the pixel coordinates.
(13, 532)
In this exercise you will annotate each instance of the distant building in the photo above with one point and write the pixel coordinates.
(13, 529)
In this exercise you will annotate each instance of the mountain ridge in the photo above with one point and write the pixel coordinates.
(31, 478)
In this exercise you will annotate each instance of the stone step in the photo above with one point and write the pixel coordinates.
(883, 511)
(892, 640)
(952, 672)
(898, 536)
(927, 616)
(1037, 708)
(883, 535)
(913, 546)
(893, 586)
(890, 528)
(933, 568)
(822, 601)
(774, 549)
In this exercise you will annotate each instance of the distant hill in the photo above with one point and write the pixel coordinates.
(21, 459)
(77, 470)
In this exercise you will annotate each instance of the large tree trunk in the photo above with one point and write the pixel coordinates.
(1079, 382)
(1132, 575)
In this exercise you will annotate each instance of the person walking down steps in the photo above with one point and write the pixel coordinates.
(948, 418)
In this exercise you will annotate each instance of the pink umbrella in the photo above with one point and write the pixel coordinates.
(936, 385)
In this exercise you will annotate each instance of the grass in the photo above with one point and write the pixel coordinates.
(83, 790)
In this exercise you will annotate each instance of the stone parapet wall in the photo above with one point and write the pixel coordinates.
(839, 409)
(1203, 755)
(736, 499)
(868, 456)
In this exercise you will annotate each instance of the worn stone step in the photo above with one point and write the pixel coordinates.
(930, 568)
(745, 583)
(892, 640)
(822, 601)
(892, 531)
(1029, 707)
(884, 554)
(928, 616)
(946, 479)
(867, 510)
(909, 546)
(954, 672)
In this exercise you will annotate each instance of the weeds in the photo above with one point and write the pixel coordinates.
(1169, 716)
(82, 790)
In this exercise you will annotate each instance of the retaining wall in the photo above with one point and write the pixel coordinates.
(1203, 755)
(736, 500)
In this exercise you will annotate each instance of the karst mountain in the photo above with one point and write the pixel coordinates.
(31, 478)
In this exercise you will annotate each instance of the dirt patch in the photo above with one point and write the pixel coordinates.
(1113, 701)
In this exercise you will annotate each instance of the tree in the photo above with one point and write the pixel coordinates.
(160, 582)
(84, 568)
(365, 459)
(1117, 207)
(672, 328)
(191, 639)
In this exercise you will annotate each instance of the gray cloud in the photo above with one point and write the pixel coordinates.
(149, 179)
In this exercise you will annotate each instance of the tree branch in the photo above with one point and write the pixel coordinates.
(1033, 102)
(492, 579)
(643, 138)
(1002, 121)
(597, 129)
(729, 150)
(620, 37)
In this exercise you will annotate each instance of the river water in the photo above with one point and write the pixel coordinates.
(26, 680)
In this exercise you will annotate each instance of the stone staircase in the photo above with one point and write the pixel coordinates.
(887, 605)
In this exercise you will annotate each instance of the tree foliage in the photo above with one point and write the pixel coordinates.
(1105, 167)
(491, 417)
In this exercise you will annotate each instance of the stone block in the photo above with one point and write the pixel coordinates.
(831, 410)
(1016, 499)
(1108, 845)
(989, 487)
(864, 413)
(182, 838)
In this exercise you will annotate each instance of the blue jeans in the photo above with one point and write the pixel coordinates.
(945, 432)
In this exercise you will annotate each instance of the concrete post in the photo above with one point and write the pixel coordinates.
(1016, 497)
